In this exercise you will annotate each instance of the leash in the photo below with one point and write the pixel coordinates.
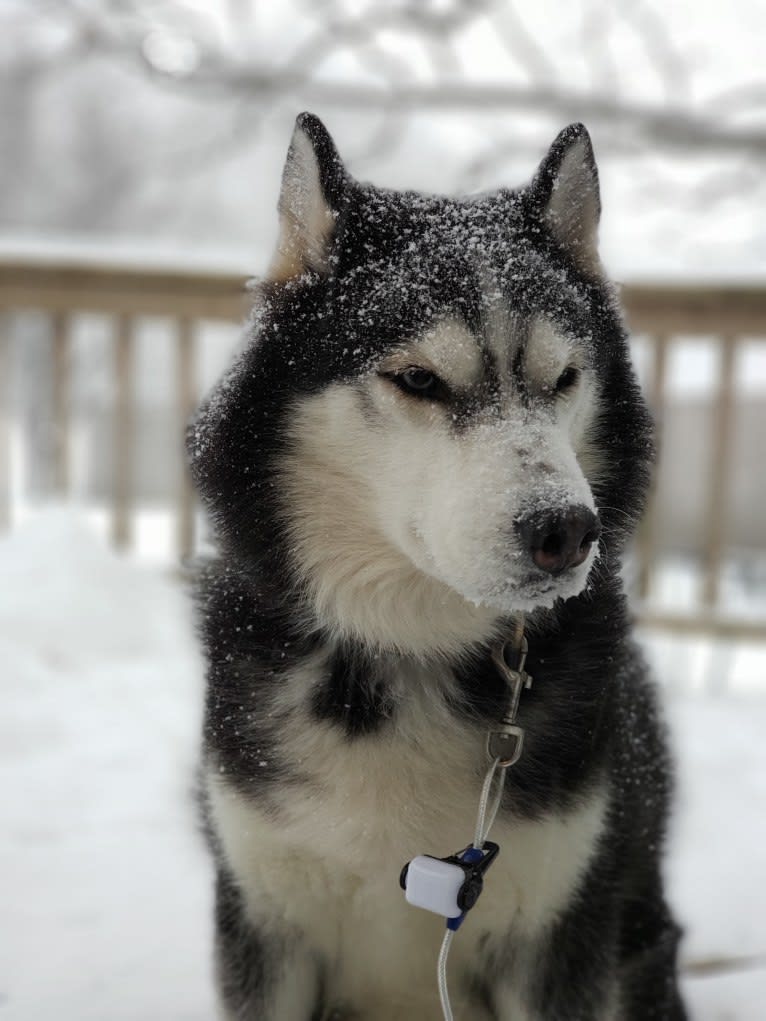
(451, 886)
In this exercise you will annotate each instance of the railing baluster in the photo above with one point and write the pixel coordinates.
(122, 524)
(186, 403)
(648, 535)
(6, 467)
(722, 428)
(61, 402)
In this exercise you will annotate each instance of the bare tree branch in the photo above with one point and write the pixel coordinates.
(393, 86)
(676, 128)
(659, 47)
(596, 46)
(522, 46)
(673, 124)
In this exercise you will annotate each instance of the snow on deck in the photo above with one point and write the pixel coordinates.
(106, 892)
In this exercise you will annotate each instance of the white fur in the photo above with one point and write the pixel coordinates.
(327, 857)
(394, 551)
(449, 349)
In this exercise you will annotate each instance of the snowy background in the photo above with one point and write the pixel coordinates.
(152, 133)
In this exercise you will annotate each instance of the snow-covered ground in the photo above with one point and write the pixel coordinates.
(105, 897)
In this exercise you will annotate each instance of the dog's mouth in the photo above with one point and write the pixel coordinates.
(532, 584)
(533, 590)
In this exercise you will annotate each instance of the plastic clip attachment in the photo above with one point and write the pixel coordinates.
(448, 886)
(505, 741)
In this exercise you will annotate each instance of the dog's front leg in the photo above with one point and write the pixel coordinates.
(265, 973)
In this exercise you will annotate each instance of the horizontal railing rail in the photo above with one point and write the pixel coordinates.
(190, 294)
(662, 313)
(34, 284)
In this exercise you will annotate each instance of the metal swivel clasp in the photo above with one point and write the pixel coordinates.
(505, 741)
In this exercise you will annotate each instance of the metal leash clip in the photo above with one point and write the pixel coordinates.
(505, 741)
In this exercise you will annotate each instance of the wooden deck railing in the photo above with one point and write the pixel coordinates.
(124, 294)
(660, 313)
(728, 315)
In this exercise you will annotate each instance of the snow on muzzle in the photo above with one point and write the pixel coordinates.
(506, 517)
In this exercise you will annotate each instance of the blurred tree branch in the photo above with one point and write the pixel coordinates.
(376, 35)
(408, 59)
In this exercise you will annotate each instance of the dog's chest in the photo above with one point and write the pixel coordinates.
(368, 802)
(324, 854)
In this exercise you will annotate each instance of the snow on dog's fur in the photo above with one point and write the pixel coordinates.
(433, 427)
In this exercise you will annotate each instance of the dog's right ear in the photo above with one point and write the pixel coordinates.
(314, 189)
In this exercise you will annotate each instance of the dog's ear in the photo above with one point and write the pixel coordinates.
(566, 196)
(314, 186)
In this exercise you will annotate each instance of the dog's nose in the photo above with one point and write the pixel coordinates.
(559, 539)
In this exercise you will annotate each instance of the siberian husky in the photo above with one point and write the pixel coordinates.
(432, 438)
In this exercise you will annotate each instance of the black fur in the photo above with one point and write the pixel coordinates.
(399, 260)
(248, 967)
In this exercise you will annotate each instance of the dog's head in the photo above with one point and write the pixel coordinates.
(436, 423)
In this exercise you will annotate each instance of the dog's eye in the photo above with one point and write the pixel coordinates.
(419, 383)
(567, 379)
(418, 380)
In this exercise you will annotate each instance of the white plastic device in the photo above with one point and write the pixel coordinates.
(434, 885)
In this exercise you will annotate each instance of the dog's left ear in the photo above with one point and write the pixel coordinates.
(314, 187)
(566, 196)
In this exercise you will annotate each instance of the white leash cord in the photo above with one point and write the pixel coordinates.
(442, 975)
(504, 744)
(482, 831)
(483, 826)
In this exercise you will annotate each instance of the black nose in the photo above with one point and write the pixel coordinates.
(559, 539)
